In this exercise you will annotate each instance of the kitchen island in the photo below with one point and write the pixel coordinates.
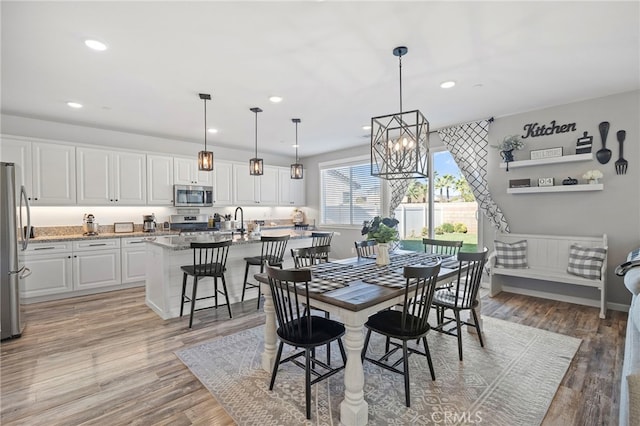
(166, 254)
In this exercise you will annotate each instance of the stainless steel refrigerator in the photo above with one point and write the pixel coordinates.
(14, 209)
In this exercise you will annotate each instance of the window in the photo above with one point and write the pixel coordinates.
(350, 195)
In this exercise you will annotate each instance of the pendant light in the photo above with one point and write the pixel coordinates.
(400, 142)
(255, 164)
(296, 168)
(205, 158)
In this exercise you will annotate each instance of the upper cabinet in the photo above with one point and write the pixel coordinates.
(45, 169)
(159, 180)
(111, 178)
(254, 190)
(185, 172)
(292, 192)
(223, 191)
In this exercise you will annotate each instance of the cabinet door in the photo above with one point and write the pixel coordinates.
(204, 178)
(98, 268)
(133, 260)
(223, 195)
(129, 179)
(19, 152)
(94, 176)
(269, 186)
(184, 171)
(53, 174)
(284, 184)
(50, 274)
(159, 180)
(245, 186)
(298, 194)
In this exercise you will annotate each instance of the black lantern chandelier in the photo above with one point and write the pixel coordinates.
(296, 168)
(255, 164)
(400, 142)
(205, 158)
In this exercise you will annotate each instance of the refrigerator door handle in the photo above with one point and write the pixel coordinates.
(24, 236)
(24, 272)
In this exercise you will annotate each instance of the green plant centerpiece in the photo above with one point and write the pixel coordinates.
(383, 230)
(507, 146)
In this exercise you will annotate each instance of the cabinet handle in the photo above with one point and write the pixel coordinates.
(68, 257)
(75, 256)
(44, 248)
(135, 242)
(96, 245)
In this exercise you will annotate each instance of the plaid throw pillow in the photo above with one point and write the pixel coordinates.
(511, 255)
(586, 261)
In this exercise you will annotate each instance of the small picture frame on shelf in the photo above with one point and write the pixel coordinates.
(546, 181)
(519, 183)
(539, 154)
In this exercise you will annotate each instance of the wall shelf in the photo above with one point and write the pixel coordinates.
(551, 160)
(556, 188)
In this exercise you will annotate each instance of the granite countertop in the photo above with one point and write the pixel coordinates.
(100, 236)
(183, 242)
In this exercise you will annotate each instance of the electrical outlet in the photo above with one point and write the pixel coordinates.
(545, 181)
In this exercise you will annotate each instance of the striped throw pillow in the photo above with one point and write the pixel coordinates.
(586, 262)
(511, 255)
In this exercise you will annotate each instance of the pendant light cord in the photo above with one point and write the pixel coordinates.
(256, 134)
(400, 67)
(205, 125)
(296, 142)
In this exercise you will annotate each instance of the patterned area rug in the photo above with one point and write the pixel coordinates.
(511, 381)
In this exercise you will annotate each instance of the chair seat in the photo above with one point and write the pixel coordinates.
(324, 331)
(257, 260)
(447, 297)
(389, 323)
(208, 270)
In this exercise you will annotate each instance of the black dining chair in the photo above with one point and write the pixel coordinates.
(444, 247)
(209, 260)
(408, 323)
(366, 248)
(460, 296)
(319, 239)
(299, 329)
(272, 252)
(305, 257)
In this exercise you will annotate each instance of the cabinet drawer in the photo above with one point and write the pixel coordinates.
(133, 242)
(46, 248)
(96, 244)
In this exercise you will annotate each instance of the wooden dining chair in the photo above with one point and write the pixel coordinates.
(408, 323)
(299, 329)
(319, 239)
(272, 253)
(209, 260)
(462, 295)
(305, 257)
(366, 248)
(445, 247)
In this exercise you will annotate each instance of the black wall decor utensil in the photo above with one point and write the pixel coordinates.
(621, 163)
(604, 155)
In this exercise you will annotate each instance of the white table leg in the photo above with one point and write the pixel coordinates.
(354, 409)
(270, 337)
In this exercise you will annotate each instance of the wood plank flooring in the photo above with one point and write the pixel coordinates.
(109, 360)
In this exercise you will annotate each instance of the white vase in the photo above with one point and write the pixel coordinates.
(383, 254)
(593, 181)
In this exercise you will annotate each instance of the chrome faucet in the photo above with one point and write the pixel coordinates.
(235, 217)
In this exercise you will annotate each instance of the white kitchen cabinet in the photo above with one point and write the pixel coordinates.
(96, 263)
(292, 191)
(47, 170)
(51, 269)
(133, 255)
(253, 190)
(185, 172)
(223, 193)
(111, 178)
(159, 180)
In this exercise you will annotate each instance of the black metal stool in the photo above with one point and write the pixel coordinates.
(272, 253)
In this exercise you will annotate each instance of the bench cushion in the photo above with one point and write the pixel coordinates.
(586, 262)
(511, 255)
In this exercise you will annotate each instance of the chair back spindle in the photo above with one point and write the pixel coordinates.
(273, 249)
(365, 248)
(308, 256)
(444, 247)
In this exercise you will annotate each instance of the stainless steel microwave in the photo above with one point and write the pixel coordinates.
(192, 196)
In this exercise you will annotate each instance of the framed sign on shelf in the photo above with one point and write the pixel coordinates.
(539, 154)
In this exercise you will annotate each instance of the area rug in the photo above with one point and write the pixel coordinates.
(511, 381)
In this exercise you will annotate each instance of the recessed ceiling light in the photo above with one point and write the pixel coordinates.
(275, 99)
(74, 105)
(366, 127)
(95, 45)
(212, 130)
(447, 84)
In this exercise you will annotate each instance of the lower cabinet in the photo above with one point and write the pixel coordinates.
(133, 252)
(96, 263)
(51, 270)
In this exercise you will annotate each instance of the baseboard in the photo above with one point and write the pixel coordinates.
(564, 298)
(85, 292)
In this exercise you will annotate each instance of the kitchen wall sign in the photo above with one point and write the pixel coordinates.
(534, 129)
(539, 154)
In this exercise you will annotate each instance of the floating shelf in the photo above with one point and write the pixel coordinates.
(551, 160)
(557, 188)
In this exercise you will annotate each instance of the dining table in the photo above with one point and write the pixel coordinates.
(352, 290)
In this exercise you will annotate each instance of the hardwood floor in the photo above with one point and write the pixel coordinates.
(109, 360)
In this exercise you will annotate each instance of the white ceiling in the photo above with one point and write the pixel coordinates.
(331, 61)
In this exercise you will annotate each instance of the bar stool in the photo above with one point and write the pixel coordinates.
(209, 260)
(273, 249)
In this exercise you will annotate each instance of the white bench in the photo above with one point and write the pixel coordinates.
(548, 258)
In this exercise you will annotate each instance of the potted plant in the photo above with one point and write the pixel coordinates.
(383, 231)
(593, 176)
(507, 146)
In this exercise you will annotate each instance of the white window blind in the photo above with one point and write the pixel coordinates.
(350, 195)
